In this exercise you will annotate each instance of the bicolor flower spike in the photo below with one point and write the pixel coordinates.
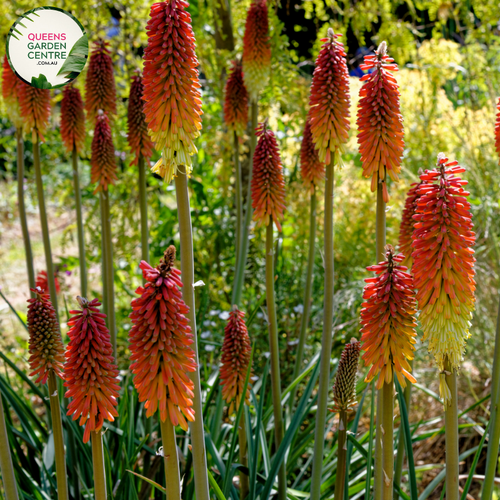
(100, 90)
(236, 100)
(43, 283)
(171, 87)
(344, 390)
(311, 168)
(160, 344)
(236, 351)
(10, 94)
(268, 184)
(90, 371)
(380, 124)
(72, 119)
(329, 100)
(45, 344)
(256, 48)
(497, 131)
(102, 160)
(138, 138)
(34, 105)
(443, 264)
(388, 321)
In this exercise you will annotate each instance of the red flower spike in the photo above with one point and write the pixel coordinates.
(497, 130)
(236, 100)
(10, 94)
(329, 100)
(43, 283)
(138, 138)
(91, 373)
(45, 344)
(102, 160)
(34, 105)
(171, 86)
(268, 184)
(236, 351)
(100, 91)
(256, 48)
(72, 119)
(311, 168)
(388, 321)
(160, 344)
(380, 124)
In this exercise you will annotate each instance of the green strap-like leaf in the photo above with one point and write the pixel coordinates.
(77, 58)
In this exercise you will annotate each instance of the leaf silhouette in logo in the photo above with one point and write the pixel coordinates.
(76, 60)
(41, 82)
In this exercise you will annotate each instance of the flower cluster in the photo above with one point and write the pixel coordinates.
(90, 370)
(171, 86)
(34, 106)
(268, 184)
(102, 160)
(380, 124)
(407, 225)
(344, 390)
(10, 94)
(43, 282)
(160, 344)
(236, 100)
(311, 168)
(72, 119)
(388, 321)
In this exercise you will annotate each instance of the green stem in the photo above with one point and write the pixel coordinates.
(307, 297)
(103, 254)
(44, 223)
(6, 467)
(388, 440)
(238, 194)
(341, 457)
(171, 460)
(22, 209)
(242, 256)
(275, 356)
(327, 337)
(143, 203)
(98, 464)
(451, 435)
(57, 430)
(79, 224)
(187, 269)
(242, 438)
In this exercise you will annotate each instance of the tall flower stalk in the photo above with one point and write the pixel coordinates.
(173, 114)
(443, 267)
(329, 115)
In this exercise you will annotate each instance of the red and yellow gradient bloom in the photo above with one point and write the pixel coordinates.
(138, 138)
(329, 100)
(388, 321)
(268, 184)
(102, 160)
(90, 371)
(443, 263)
(171, 87)
(72, 119)
(311, 168)
(236, 351)
(256, 48)
(34, 106)
(45, 344)
(497, 130)
(236, 100)
(160, 344)
(380, 124)
(43, 283)
(10, 94)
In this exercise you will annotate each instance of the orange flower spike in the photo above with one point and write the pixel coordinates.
(268, 184)
(497, 130)
(34, 106)
(380, 124)
(72, 119)
(256, 48)
(10, 94)
(171, 87)
(311, 168)
(102, 160)
(388, 321)
(138, 138)
(91, 373)
(236, 351)
(45, 344)
(160, 344)
(100, 91)
(43, 283)
(329, 100)
(236, 100)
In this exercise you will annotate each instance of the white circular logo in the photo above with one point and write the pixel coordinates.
(47, 47)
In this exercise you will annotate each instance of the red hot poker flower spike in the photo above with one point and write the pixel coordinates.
(256, 48)
(34, 105)
(45, 344)
(344, 390)
(43, 283)
(388, 321)
(102, 160)
(160, 344)
(90, 371)
(329, 100)
(138, 138)
(10, 94)
(236, 100)
(236, 351)
(268, 184)
(311, 168)
(497, 130)
(100, 91)
(380, 124)
(72, 119)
